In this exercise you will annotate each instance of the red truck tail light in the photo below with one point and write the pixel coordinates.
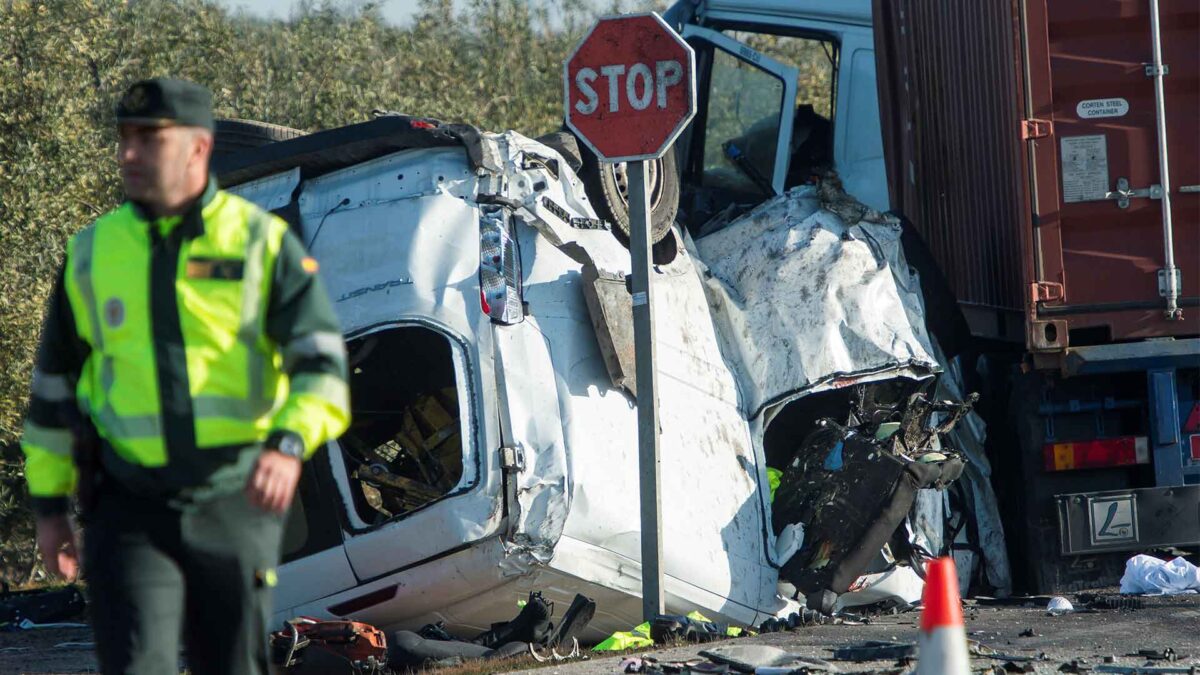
(1097, 454)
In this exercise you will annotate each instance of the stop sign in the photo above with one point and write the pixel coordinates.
(630, 87)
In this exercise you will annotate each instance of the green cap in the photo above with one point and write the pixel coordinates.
(164, 101)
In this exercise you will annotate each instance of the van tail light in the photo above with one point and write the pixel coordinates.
(499, 266)
(1097, 454)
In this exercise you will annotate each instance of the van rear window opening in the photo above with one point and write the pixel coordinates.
(404, 447)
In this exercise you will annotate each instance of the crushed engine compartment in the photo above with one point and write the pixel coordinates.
(852, 482)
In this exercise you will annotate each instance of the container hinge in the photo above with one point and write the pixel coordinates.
(1035, 128)
(1046, 291)
(1153, 70)
(1164, 280)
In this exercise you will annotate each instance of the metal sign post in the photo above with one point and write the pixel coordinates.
(647, 388)
(629, 90)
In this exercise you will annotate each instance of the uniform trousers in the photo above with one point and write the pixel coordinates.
(158, 569)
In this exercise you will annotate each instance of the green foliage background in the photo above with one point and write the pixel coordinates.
(63, 63)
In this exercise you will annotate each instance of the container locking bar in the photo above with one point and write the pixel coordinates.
(1123, 193)
(1169, 274)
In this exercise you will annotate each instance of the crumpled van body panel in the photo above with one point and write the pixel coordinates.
(398, 239)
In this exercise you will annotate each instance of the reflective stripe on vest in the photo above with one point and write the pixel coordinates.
(51, 388)
(55, 441)
(130, 426)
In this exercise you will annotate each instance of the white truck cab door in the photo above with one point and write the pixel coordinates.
(739, 143)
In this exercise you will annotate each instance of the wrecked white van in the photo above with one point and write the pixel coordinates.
(481, 291)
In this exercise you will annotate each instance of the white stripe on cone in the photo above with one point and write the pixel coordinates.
(944, 652)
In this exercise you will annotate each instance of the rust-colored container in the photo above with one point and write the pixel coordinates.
(1022, 139)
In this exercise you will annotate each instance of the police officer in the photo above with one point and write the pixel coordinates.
(190, 361)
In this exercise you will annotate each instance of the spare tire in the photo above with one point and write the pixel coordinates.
(236, 135)
(607, 188)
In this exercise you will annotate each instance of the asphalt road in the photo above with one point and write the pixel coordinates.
(1162, 622)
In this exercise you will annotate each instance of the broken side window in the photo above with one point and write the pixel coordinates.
(404, 448)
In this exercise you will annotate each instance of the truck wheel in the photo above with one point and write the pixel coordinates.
(607, 187)
(237, 135)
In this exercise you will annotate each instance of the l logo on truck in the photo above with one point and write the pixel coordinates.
(1113, 519)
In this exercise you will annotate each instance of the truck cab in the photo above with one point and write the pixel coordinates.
(786, 91)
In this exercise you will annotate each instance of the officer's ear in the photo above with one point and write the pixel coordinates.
(202, 144)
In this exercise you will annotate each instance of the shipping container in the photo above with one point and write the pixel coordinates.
(1049, 153)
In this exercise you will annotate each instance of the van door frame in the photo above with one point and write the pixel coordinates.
(364, 543)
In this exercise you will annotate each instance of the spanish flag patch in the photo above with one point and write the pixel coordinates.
(309, 264)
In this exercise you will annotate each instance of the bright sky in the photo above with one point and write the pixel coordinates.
(398, 11)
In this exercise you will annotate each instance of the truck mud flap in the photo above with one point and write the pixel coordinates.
(1128, 520)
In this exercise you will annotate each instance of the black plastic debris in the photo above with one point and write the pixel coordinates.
(40, 606)
(1149, 670)
(1013, 601)
(979, 649)
(667, 628)
(532, 624)
(531, 633)
(754, 658)
(795, 620)
(708, 667)
(435, 631)
(875, 650)
(1120, 602)
(409, 651)
(1167, 654)
(632, 664)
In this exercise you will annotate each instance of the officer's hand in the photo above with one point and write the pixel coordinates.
(273, 482)
(56, 543)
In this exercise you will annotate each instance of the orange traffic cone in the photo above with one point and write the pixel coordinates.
(943, 639)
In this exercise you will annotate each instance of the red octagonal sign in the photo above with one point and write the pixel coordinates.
(630, 87)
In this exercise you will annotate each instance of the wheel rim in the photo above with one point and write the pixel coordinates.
(620, 176)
